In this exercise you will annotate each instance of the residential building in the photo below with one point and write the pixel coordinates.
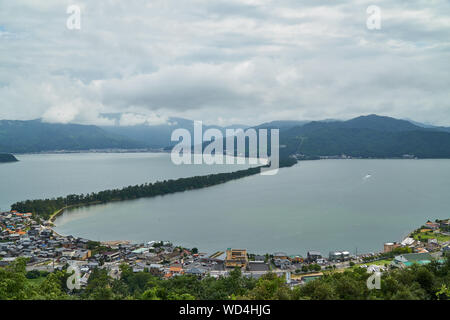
(280, 255)
(445, 225)
(313, 256)
(111, 255)
(432, 245)
(345, 255)
(296, 258)
(260, 258)
(408, 242)
(389, 246)
(335, 256)
(236, 258)
(258, 266)
(432, 225)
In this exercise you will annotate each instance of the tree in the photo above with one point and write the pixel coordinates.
(314, 267)
(183, 296)
(51, 288)
(13, 283)
(99, 285)
(315, 290)
(443, 293)
(270, 287)
(150, 294)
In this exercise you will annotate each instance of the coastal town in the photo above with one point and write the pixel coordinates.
(21, 235)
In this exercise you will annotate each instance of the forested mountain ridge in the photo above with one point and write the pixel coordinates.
(37, 136)
(367, 137)
(6, 157)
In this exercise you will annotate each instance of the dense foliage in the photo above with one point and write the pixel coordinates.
(38, 136)
(430, 282)
(17, 284)
(366, 137)
(46, 207)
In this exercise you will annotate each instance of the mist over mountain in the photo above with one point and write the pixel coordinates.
(159, 135)
(281, 124)
(430, 126)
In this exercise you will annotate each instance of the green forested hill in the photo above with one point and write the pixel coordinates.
(369, 136)
(365, 136)
(5, 157)
(37, 136)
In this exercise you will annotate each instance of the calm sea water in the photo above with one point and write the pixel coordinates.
(40, 176)
(316, 205)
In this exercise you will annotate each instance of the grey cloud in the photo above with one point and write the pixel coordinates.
(243, 61)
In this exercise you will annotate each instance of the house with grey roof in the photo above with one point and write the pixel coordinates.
(314, 255)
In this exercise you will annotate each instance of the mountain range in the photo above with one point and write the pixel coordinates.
(158, 136)
(37, 136)
(369, 136)
(365, 136)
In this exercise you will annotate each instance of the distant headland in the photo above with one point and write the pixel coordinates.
(6, 157)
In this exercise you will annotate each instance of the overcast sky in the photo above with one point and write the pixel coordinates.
(224, 61)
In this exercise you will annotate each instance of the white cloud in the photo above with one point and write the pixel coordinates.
(224, 61)
(132, 119)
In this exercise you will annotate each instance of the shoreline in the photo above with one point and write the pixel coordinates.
(59, 212)
(164, 150)
(52, 218)
(118, 242)
(122, 241)
(116, 151)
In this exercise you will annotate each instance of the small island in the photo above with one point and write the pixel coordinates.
(6, 157)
